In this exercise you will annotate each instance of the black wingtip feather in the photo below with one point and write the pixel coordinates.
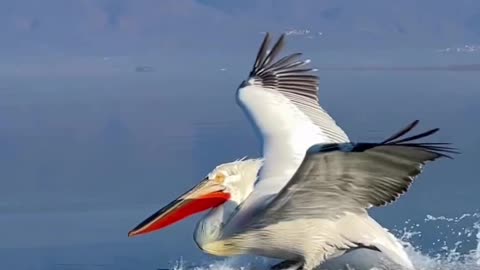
(262, 52)
(402, 131)
(437, 148)
(280, 74)
(418, 136)
(276, 49)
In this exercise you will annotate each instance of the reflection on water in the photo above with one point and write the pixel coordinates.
(82, 161)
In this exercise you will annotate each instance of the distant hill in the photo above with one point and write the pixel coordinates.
(127, 26)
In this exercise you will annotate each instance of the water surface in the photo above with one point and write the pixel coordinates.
(85, 158)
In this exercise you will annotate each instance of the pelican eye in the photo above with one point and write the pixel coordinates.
(219, 178)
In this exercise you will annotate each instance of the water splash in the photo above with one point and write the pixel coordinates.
(454, 245)
(434, 243)
(235, 263)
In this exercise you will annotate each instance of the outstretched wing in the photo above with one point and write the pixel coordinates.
(338, 178)
(280, 97)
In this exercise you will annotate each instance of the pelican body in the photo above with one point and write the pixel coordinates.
(306, 200)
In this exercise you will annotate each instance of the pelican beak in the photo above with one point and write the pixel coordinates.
(207, 194)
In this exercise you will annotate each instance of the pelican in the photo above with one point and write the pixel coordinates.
(306, 200)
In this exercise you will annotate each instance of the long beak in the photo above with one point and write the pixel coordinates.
(207, 194)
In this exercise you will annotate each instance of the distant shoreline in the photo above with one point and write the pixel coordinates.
(457, 68)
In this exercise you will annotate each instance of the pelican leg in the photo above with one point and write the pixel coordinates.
(288, 265)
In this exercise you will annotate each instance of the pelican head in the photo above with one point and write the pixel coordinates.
(229, 182)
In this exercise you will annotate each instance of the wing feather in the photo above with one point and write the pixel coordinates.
(280, 98)
(338, 178)
(289, 78)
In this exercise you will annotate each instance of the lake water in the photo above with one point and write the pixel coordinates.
(84, 158)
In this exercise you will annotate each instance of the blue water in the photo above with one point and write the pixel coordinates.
(84, 158)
